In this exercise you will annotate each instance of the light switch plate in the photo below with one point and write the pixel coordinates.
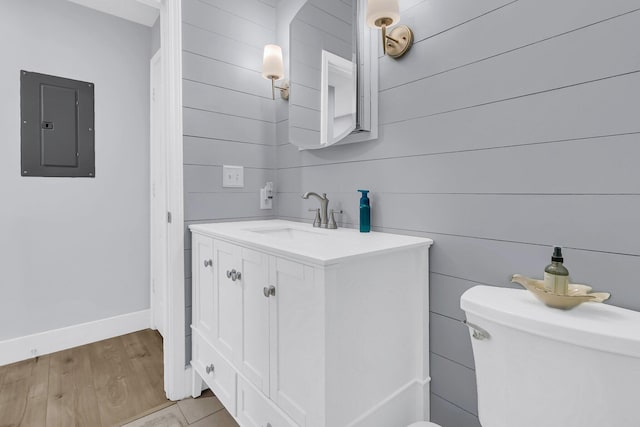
(232, 176)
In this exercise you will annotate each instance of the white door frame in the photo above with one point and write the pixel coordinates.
(158, 199)
(177, 376)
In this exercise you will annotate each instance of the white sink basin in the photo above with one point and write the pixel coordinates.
(288, 233)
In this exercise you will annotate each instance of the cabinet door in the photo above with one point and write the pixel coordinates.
(203, 317)
(256, 410)
(297, 341)
(227, 300)
(255, 348)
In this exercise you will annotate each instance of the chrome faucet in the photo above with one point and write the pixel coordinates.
(324, 203)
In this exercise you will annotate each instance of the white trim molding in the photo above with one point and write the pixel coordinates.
(143, 12)
(176, 376)
(151, 3)
(26, 347)
(412, 399)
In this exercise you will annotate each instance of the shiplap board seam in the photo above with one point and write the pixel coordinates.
(408, 11)
(379, 228)
(434, 233)
(466, 150)
(219, 60)
(475, 282)
(207, 30)
(452, 403)
(225, 192)
(329, 13)
(261, 24)
(323, 30)
(226, 88)
(227, 140)
(524, 46)
(239, 219)
(450, 318)
(482, 193)
(228, 115)
(229, 219)
(232, 41)
(451, 360)
(304, 106)
(501, 241)
(267, 3)
(220, 165)
(511, 98)
(304, 128)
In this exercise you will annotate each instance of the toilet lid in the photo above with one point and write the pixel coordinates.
(424, 424)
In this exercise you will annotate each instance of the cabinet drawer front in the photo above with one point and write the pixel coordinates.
(221, 377)
(256, 410)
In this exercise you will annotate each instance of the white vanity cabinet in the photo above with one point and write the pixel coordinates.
(288, 332)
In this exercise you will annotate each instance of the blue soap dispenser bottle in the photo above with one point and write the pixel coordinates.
(365, 212)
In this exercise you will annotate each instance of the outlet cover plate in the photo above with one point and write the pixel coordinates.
(232, 176)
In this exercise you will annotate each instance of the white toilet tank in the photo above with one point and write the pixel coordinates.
(544, 367)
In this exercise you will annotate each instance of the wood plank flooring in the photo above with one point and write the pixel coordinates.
(99, 384)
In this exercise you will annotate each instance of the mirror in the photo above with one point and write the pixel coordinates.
(333, 75)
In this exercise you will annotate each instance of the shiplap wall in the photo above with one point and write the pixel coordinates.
(509, 127)
(229, 116)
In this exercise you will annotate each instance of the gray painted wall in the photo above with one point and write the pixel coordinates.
(509, 127)
(75, 250)
(229, 116)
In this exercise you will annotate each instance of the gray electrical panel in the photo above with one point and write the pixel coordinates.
(57, 121)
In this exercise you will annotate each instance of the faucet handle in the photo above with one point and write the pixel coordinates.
(332, 221)
(316, 221)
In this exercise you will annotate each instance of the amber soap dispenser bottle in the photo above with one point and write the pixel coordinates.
(556, 275)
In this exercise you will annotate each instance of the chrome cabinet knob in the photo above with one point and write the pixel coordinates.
(210, 368)
(269, 291)
(234, 275)
(208, 262)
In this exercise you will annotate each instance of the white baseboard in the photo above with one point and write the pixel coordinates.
(22, 348)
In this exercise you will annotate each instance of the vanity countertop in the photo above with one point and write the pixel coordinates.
(304, 242)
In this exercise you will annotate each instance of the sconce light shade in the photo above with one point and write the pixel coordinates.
(382, 12)
(272, 65)
(273, 69)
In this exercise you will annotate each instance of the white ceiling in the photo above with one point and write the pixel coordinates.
(143, 12)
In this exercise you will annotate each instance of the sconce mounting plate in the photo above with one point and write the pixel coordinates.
(399, 41)
(284, 90)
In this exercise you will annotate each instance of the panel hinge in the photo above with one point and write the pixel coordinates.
(169, 217)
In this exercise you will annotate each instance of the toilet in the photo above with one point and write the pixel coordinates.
(542, 367)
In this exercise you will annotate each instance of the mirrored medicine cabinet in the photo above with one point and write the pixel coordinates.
(333, 75)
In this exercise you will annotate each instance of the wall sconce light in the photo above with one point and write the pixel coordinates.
(382, 14)
(273, 69)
